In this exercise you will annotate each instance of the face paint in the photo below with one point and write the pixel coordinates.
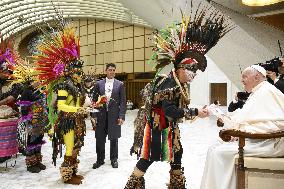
(189, 75)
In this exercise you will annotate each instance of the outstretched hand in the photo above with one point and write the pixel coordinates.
(132, 150)
(120, 121)
(82, 110)
(203, 112)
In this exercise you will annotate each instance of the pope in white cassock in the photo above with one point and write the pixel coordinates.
(263, 112)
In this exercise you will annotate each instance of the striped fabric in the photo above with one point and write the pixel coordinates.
(161, 152)
(8, 137)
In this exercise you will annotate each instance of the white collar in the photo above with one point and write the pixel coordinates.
(257, 86)
(109, 80)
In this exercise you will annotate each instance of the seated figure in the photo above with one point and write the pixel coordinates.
(263, 112)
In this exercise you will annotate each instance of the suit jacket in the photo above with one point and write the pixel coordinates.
(116, 109)
(280, 84)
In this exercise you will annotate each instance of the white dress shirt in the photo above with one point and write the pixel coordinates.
(108, 88)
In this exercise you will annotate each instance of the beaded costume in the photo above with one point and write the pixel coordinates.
(61, 72)
(166, 102)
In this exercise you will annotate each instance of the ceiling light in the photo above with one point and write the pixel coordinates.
(260, 2)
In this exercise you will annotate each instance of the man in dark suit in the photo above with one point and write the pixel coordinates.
(276, 79)
(110, 116)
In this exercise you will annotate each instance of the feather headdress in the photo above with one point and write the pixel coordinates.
(7, 54)
(12, 65)
(59, 54)
(186, 42)
(22, 71)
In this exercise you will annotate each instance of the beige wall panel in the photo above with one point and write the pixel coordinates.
(128, 67)
(100, 48)
(100, 69)
(85, 59)
(92, 68)
(100, 37)
(139, 66)
(89, 58)
(92, 49)
(84, 50)
(148, 31)
(127, 43)
(83, 22)
(108, 58)
(92, 60)
(138, 31)
(91, 28)
(117, 56)
(99, 59)
(149, 67)
(139, 42)
(148, 41)
(118, 24)
(92, 21)
(148, 52)
(108, 25)
(118, 33)
(126, 24)
(109, 35)
(119, 67)
(117, 46)
(109, 46)
(128, 32)
(77, 31)
(100, 26)
(88, 69)
(83, 30)
(76, 23)
(92, 39)
(127, 55)
(139, 54)
(83, 40)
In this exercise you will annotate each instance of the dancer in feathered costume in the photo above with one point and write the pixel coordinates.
(185, 45)
(33, 111)
(61, 71)
(8, 95)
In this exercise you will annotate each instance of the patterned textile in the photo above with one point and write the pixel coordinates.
(8, 137)
(158, 144)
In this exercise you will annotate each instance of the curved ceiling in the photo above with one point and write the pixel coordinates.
(16, 15)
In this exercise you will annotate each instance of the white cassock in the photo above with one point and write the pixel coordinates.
(263, 112)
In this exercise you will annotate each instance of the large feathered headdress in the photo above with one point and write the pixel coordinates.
(12, 65)
(22, 72)
(185, 43)
(58, 55)
(7, 54)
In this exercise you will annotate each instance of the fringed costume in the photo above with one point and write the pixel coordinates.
(167, 98)
(33, 110)
(60, 70)
(70, 128)
(34, 118)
